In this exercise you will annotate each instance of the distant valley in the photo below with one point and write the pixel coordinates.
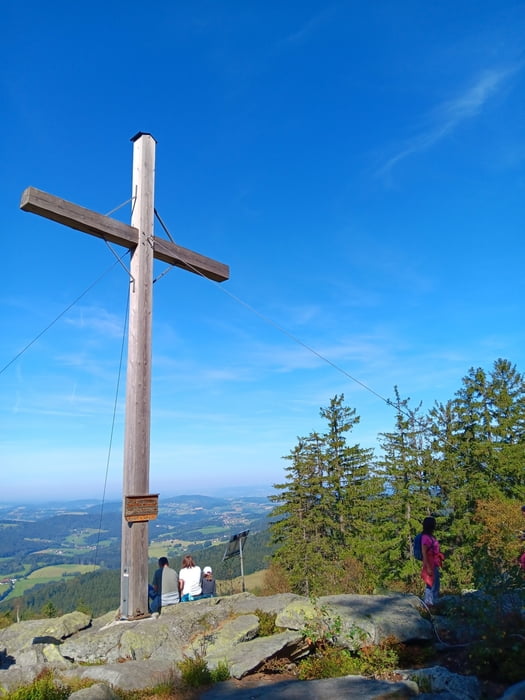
(49, 542)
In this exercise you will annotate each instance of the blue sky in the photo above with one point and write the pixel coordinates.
(360, 168)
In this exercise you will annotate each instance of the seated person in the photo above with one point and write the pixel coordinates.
(208, 583)
(164, 589)
(189, 580)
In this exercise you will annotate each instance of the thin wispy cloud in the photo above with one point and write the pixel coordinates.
(70, 405)
(98, 320)
(309, 28)
(305, 31)
(449, 115)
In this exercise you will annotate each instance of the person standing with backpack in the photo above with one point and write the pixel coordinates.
(432, 561)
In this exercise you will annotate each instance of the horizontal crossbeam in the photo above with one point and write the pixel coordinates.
(85, 220)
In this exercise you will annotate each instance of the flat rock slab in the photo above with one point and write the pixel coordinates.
(136, 675)
(379, 616)
(246, 657)
(24, 634)
(327, 689)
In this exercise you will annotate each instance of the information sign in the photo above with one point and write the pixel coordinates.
(140, 508)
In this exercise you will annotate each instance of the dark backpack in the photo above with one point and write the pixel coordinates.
(416, 545)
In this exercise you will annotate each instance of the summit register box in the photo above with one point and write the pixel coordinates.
(140, 508)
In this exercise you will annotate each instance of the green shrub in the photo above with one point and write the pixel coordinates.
(194, 671)
(321, 630)
(167, 688)
(331, 662)
(5, 620)
(49, 610)
(266, 623)
(221, 672)
(44, 687)
(379, 659)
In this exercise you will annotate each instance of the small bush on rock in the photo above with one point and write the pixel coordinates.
(266, 623)
(331, 662)
(194, 671)
(275, 580)
(45, 687)
(379, 659)
(221, 672)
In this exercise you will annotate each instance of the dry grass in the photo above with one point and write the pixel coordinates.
(253, 583)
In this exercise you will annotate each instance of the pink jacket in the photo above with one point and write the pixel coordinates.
(434, 557)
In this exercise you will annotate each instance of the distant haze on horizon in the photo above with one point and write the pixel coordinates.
(257, 491)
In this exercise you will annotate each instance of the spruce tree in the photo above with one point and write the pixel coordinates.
(323, 507)
(410, 493)
(300, 529)
(479, 438)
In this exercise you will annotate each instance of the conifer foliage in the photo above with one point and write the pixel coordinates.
(322, 506)
(343, 509)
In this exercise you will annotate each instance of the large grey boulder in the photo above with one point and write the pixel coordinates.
(299, 613)
(22, 635)
(440, 680)
(326, 689)
(379, 616)
(249, 603)
(236, 631)
(248, 656)
(138, 675)
(122, 641)
(14, 676)
(97, 691)
(164, 636)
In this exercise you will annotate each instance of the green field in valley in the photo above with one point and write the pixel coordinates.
(56, 572)
(48, 574)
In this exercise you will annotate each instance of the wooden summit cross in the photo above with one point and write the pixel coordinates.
(144, 247)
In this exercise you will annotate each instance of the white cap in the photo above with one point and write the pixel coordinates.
(206, 570)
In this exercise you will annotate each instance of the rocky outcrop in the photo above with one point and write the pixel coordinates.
(326, 689)
(139, 654)
(441, 681)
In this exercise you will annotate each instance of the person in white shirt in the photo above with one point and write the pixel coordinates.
(189, 580)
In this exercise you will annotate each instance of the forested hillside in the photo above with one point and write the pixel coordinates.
(81, 538)
(22, 538)
(99, 592)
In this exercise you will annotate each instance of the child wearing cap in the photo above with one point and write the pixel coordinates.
(208, 583)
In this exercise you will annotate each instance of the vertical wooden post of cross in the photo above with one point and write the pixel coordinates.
(134, 547)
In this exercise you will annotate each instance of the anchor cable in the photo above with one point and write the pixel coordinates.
(119, 375)
(62, 313)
